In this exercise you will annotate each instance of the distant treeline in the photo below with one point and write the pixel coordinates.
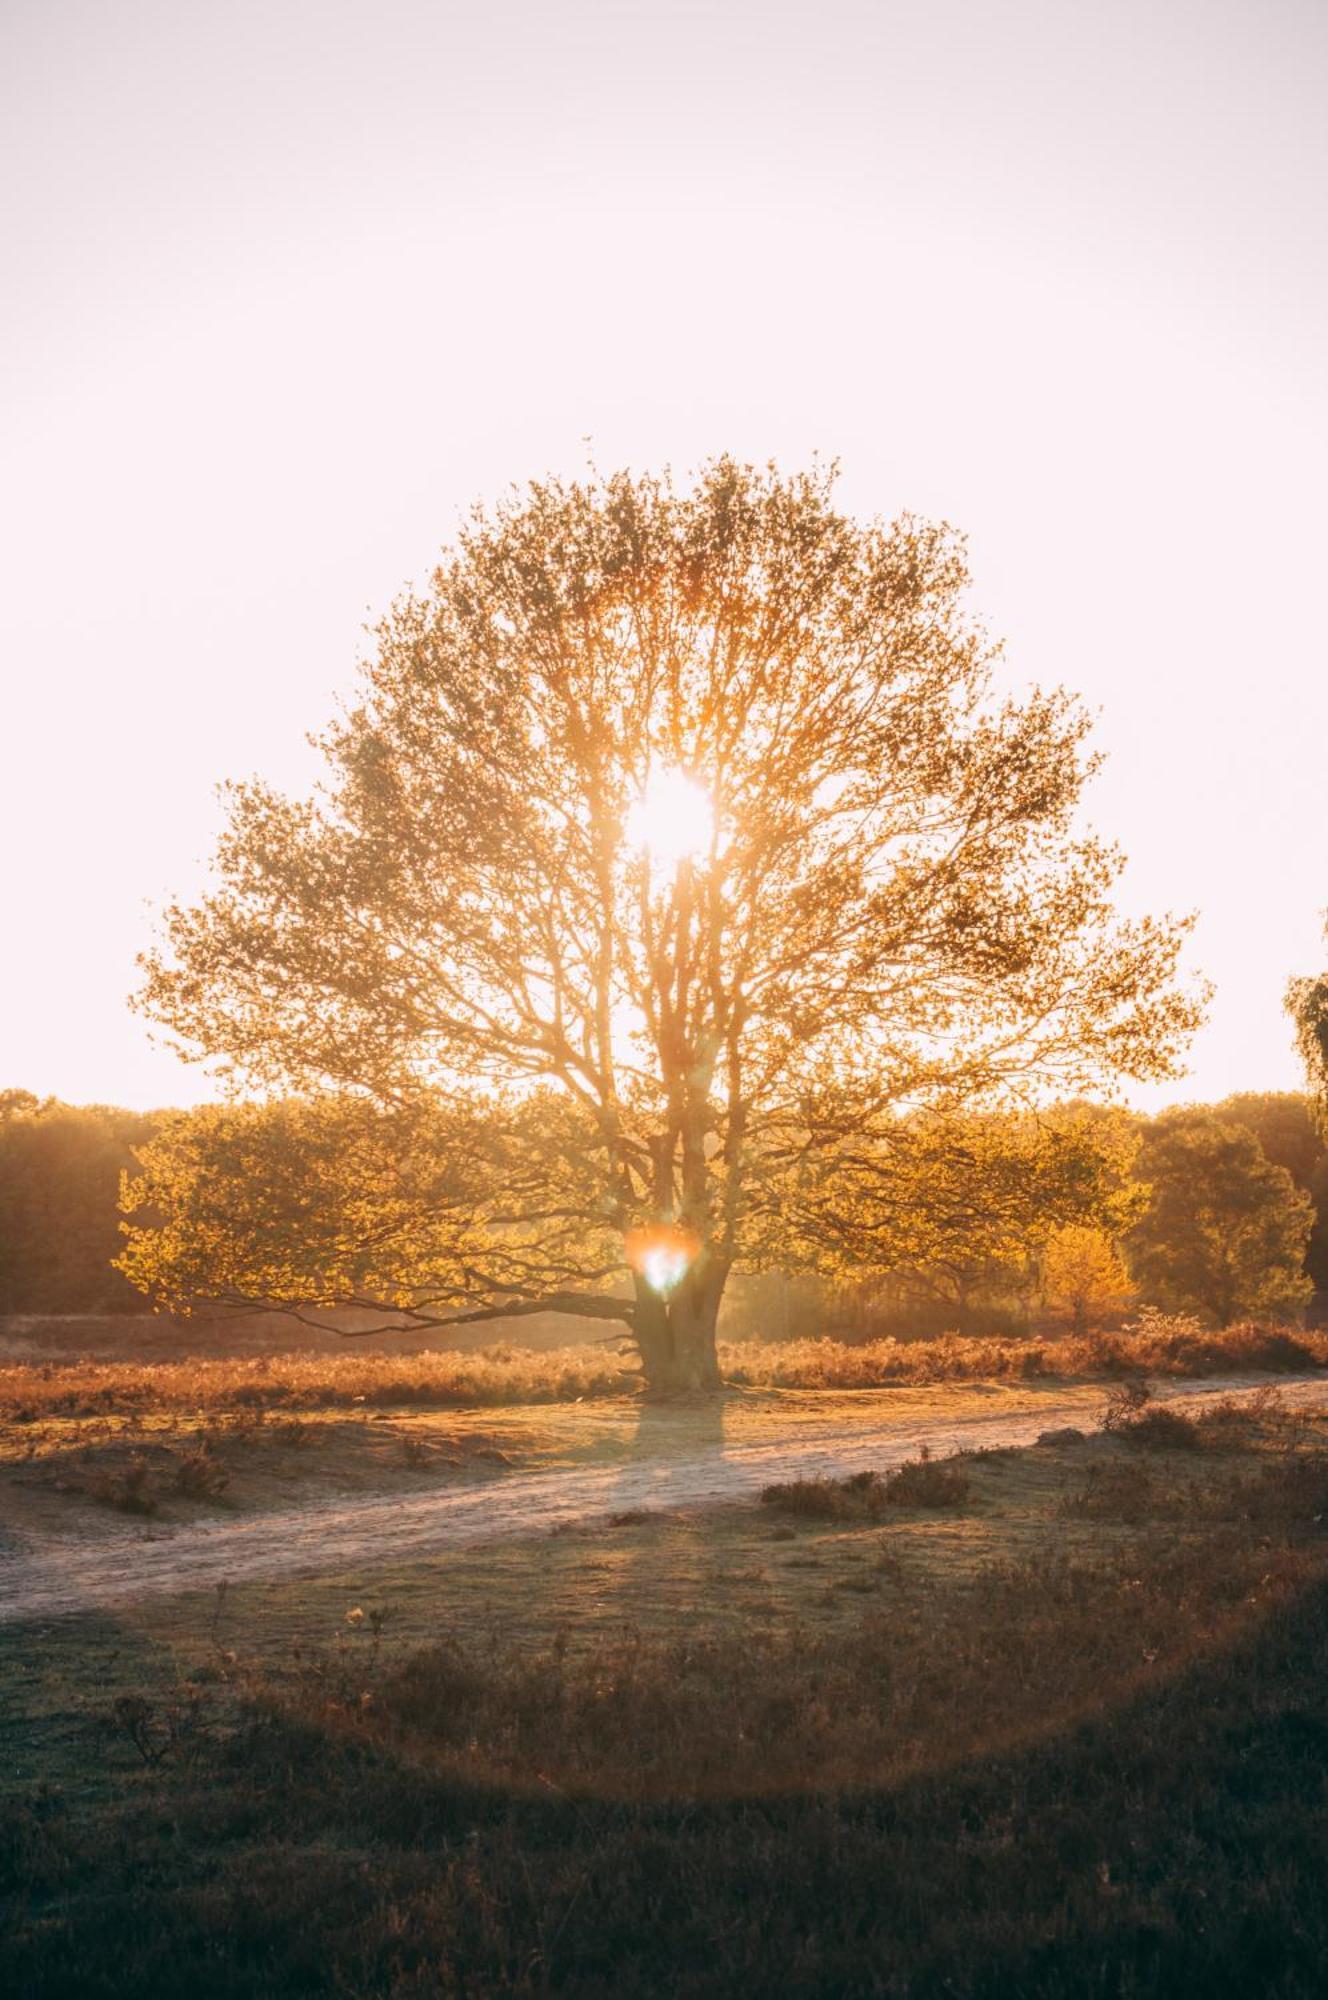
(60, 1168)
(1231, 1218)
(1223, 1215)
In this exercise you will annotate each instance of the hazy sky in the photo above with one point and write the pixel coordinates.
(288, 285)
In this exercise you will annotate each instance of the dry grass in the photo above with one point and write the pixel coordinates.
(358, 1379)
(493, 1377)
(1099, 1772)
(1155, 1345)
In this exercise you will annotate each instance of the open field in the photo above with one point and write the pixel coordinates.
(1048, 1721)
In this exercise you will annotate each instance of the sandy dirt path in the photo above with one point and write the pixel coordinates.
(689, 1464)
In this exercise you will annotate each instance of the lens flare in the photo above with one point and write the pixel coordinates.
(662, 1268)
(662, 1256)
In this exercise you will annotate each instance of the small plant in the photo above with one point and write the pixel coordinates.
(861, 1496)
(297, 1436)
(922, 1482)
(1131, 1414)
(136, 1718)
(199, 1476)
(1231, 1422)
(132, 1490)
(156, 1728)
(371, 1622)
(1126, 1404)
(1291, 1493)
(927, 1482)
(1163, 1430)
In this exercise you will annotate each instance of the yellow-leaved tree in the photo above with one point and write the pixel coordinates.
(1083, 1275)
(677, 880)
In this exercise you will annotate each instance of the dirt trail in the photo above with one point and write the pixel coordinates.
(689, 1464)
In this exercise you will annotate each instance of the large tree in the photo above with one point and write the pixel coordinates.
(1307, 1004)
(1285, 1124)
(416, 1211)
(1225, 1231)
(694, 814)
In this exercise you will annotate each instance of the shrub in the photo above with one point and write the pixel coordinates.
(927, 1482)
(1154, 1344)
(1126, 1404)
(1232, 1422)
(1291, 1492)
(1130, 1414)
(199, 1476)
(132, 1489)
(859, 1497)
(1164, 1430)
(921, 1482)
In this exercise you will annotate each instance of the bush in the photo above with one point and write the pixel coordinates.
(927, 1482)
(859, 1497)
(1164, 1430)
(1126, 1404)
(1130, 1414)
(921, 1482)
(1155, 1344)
(1292, 1492)
(132, 1489)
(199, 1476)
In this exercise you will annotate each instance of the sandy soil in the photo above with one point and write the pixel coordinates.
(679, 1458)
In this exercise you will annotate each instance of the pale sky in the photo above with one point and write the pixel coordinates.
(288, 285)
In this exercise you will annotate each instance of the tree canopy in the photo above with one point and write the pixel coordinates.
(1307, 1004)
(1225, 1231)
(1082, 1274)
(1284, 1123)
(60, 1168)
(679, 842)
(307, 1201)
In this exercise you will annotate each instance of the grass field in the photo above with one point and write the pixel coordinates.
(1048, 1722)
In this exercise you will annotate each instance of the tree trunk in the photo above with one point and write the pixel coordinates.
(676, 1333)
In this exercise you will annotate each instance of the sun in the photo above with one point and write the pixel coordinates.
(673, 820)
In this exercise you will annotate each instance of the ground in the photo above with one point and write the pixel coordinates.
(112, 1509)
(442, 1682)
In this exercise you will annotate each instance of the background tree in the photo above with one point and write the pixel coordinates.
(1316, 1255)
(1082, 1274)
(1294, 1136)
(699, 809)
(60, 1168)
(958, 1210)
(1307, 1004)
(1225, 1231)
(1284, 1123)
